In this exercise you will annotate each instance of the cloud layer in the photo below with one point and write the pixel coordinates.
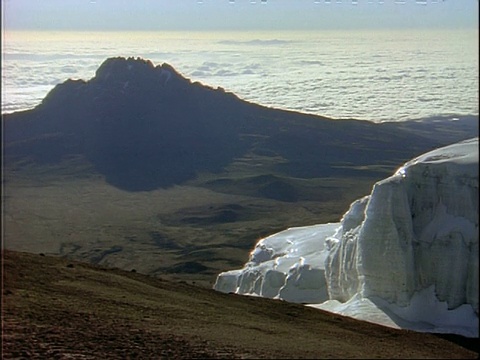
(387, 75)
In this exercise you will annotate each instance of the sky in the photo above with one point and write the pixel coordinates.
(197, 15)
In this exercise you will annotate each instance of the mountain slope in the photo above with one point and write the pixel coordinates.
(55, 308)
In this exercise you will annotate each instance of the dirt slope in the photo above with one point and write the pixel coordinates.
(58, 309)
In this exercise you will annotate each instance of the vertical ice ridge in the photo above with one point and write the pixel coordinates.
(408, 251)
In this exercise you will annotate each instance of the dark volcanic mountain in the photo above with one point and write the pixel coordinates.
(146, 127)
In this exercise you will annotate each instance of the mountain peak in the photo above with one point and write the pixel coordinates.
(130, 69)
(116, 64)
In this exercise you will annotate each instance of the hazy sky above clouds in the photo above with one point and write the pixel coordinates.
(150, 15)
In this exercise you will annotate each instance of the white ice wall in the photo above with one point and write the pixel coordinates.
(421, 229)
(288, 265)
(411, 244)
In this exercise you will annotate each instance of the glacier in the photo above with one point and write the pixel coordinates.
(405, 256)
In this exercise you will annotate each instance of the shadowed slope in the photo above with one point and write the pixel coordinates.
(55, 308)
(141, 126)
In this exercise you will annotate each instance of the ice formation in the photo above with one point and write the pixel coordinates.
(405, 256)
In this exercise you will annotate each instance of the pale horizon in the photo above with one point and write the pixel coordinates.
(243, 15)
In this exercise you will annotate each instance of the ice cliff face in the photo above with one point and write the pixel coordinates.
(413, 241)
(420, 228)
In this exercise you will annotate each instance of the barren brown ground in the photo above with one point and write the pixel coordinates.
(160, 232)
(54, 308)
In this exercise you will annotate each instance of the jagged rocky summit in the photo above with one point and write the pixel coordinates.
(142, 126)
(405, 256)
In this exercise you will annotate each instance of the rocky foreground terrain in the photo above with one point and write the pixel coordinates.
(54, 308)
